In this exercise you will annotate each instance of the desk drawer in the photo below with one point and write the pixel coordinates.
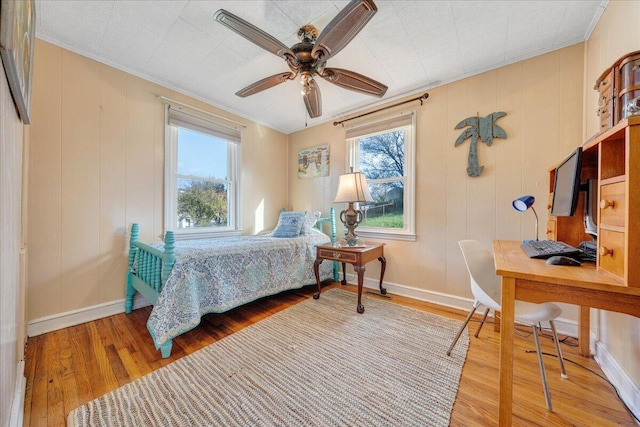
(612, 204)
(611, 251)
(337, 255)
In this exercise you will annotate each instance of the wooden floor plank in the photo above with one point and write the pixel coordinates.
(93, 361)
(79, 345)
(55, 372)
(103, 375)
(36, 372)
(29, 373)
(69, 386)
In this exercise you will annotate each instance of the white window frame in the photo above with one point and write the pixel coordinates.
(234, 227)
(353, 163)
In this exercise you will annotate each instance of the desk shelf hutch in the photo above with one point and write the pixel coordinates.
(613, 158)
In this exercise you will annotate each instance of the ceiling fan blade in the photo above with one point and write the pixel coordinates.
(354, 81)
(343, 28)
(265, 83)
(253, 34)
(313, 100)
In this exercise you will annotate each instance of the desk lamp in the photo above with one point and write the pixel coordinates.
(352, 188)
(523, 203)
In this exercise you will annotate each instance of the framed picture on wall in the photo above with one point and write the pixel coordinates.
(313, 162)
(17, 35)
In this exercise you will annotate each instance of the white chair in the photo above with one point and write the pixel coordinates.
(486, 287)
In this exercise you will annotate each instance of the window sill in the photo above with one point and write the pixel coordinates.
(188, 235)
(407, 237)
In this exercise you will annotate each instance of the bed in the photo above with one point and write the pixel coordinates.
(186, 279)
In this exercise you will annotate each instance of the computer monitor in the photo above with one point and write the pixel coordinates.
(591, 208)
(566, 186)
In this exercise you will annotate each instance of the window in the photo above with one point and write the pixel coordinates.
(384, 152)
(201, 176)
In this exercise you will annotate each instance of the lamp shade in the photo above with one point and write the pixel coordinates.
(352, 187)
(523, 203)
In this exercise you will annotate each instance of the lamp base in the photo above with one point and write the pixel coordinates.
(351, 218)
(352, 242)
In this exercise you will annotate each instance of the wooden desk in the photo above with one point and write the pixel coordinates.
(358, 256)
(533, 280)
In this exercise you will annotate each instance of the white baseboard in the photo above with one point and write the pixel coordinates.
(76, 317)
(564, 326)
(628, 391)
(17, 406)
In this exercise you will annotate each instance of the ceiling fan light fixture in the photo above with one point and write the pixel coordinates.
(305, 81)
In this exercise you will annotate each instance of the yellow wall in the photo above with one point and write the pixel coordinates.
(97, 166)
(615, 35)
(543, 101)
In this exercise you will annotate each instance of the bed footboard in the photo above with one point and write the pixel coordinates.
(148, 271)
(149, 267)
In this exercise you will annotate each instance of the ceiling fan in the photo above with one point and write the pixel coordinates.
(308, 58)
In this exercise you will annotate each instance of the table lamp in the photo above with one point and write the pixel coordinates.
(352, 188)
(523, 203)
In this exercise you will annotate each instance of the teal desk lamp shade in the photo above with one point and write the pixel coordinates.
(523, 203)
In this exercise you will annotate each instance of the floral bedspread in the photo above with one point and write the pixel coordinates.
(216, 275)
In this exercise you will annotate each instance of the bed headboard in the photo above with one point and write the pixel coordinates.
(331, 219)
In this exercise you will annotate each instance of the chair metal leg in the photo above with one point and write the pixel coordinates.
(484, 318)
(563, 372)
(543, 373)
(464, 325)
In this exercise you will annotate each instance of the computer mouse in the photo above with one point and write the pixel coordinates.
(563, 260)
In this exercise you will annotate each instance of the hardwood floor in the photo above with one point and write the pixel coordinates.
(69, 367)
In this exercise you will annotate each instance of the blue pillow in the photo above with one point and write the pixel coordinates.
(289, 224)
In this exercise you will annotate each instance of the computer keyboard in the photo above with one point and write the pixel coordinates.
(549, 248)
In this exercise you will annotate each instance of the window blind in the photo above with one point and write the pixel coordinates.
(194, 122)
(379, 126)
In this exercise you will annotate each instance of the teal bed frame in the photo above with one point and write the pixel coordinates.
(153, 266)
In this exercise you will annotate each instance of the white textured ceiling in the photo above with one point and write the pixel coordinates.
(408, 45)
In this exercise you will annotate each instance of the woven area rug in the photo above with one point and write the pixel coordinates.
(318, 363)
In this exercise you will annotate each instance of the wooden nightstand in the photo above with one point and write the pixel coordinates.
(358, 256)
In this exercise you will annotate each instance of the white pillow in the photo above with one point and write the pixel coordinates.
(310, 219)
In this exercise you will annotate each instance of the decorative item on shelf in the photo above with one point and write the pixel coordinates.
(630, 86)
(619, 91)
(484, 128)
(352, 188)
(523, 203)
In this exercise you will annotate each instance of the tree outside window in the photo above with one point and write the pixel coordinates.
(201, 194)
(382, 161)
(383, 151)
(201, 180)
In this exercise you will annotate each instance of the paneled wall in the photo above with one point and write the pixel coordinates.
(11, 277)
(542, 97)
(615, 35)
(97, 166)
